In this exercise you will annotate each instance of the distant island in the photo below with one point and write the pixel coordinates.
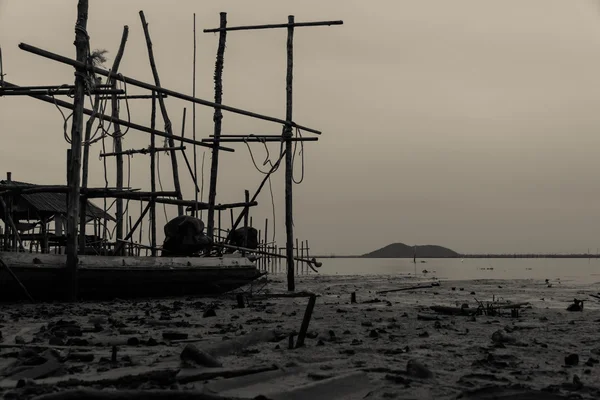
(401, 250)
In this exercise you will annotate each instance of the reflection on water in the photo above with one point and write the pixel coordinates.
(572, 270)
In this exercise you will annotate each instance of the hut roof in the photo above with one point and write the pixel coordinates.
(55, 203)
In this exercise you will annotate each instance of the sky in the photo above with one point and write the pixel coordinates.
(467, 124)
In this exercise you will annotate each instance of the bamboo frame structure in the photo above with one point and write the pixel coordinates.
(76, 188)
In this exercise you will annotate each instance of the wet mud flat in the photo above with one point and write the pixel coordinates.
(381, 346)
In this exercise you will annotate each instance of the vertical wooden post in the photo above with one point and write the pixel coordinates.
(307, 255)
(195, 213)
(118, 144)
(289, 219)
(141, 228)
(232, 222)
(302, 256)
(306, 320)
(165, 115)
(298, 264)
(217, 118)
(246, 211)
(84, 173)
(219, 225)
(81, 46)
(260, 260)
(153, 176)
(131, 247)
(8, 214)
(44, 232)
(267, 257)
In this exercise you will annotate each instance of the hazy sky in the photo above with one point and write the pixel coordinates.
(469, 124)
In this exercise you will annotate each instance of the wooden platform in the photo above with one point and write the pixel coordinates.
(108, 277)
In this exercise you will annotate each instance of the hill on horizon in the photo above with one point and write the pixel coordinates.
(401, 250)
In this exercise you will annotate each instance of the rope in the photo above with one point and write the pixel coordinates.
(298, 134)
(268, 173)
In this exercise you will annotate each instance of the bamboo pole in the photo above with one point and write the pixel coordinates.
(148, 150)
(88, 130)
(298, 266)
(141, 228)
(271, 26)
(117, 140)
(153, 178)
(194, 126)
(138, 97)
(267, 260)
(163, 110)
(121, 122)
(84, 173)
(81, 46)
(128, 194)
(131, 247)
(289, 219)
(258, 139)
(246, 212)
(133, 228)
(187, 162)
(307, 250)
(219, 226)
(61, 92)
(135, 82)
(302, 256)
(201, 205)
(217, 118)
(1, 69)
(259, 262)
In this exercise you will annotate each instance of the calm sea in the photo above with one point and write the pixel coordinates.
(574, 270)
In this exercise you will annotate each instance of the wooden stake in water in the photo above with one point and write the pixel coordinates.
(415, 259)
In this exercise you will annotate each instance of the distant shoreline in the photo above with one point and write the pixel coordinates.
(482, 256)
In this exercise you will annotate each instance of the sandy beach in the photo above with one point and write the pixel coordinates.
(384, 346)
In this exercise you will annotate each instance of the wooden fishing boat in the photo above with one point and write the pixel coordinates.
(109, 277)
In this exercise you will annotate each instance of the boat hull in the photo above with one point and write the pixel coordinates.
(103, 278)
